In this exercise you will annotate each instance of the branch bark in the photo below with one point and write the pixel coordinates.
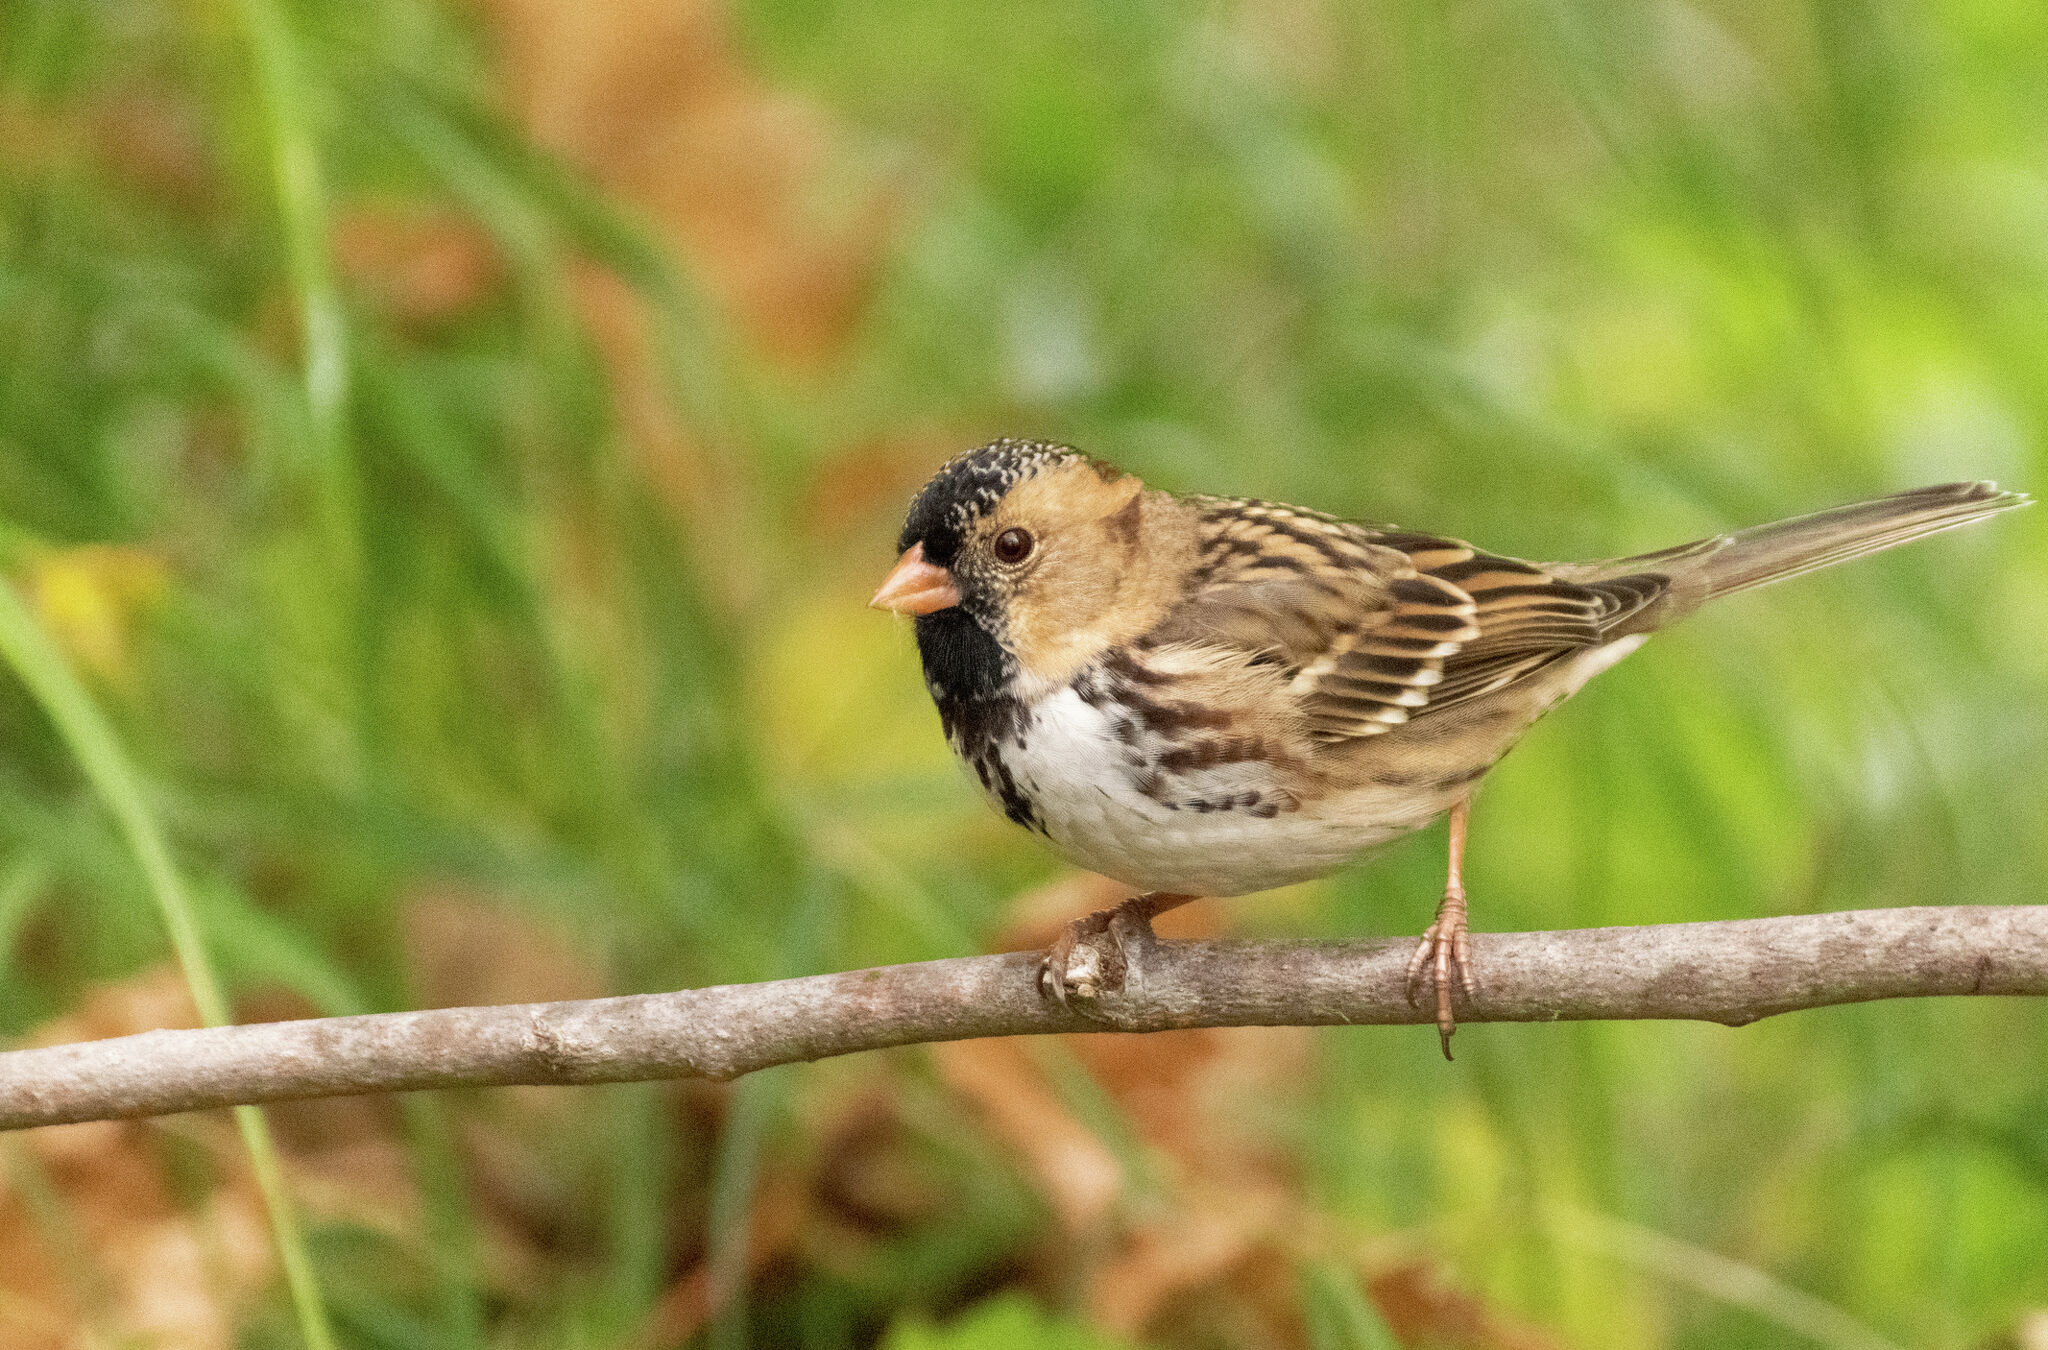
(1730, 972)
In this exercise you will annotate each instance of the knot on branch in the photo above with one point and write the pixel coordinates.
(562, 1053)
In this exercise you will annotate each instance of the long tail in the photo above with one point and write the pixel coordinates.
(1789, 548)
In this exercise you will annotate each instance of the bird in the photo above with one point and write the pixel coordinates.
(1205, 696)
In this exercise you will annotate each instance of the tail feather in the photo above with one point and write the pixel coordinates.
(1755, 557)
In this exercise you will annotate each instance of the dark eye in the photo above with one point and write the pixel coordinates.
(1013, 546)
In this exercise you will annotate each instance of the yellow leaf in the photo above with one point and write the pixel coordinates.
(90, 597)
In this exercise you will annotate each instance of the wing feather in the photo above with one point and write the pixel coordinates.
(1377, 628)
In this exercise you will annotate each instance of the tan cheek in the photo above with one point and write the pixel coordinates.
(1057, 614)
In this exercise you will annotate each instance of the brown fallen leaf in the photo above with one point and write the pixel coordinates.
(691, 1302)
(467, 947)
(113, 1251)
(758, 192)
(1422, 1310)
(421, 266)
(1207, 1235)
(753, 184)
(875, 478)
(157, 139)
(847, 1174)
(1075, 1171)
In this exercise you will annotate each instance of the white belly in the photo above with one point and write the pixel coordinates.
(1089, 791)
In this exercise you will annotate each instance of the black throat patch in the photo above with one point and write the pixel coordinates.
(970, 678)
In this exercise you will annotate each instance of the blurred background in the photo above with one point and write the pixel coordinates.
(453, 445)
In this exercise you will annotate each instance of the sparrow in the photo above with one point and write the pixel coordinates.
(1207, 696)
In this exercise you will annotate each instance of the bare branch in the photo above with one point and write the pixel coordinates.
(1732, 972)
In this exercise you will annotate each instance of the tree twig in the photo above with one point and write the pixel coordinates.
(1732, 972)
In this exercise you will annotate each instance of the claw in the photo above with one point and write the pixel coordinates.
(1089, 957)
(1071, 965)
(1422, 951)
(1052, 965)
(1050, 983)
(1446, 947)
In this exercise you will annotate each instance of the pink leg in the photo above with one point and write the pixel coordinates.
(1447, 945)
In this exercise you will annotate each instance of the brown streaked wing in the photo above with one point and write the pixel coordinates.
(1527, 616)
(1361, 632)
(1386, 670)
(1379, 627)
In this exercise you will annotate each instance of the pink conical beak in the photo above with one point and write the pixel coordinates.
(916, 586)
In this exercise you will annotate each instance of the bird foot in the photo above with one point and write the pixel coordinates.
(1091, 956)
(1446, 947)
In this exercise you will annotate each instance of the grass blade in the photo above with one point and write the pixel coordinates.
(302, 211)
(1735, 1283)
(85, 731)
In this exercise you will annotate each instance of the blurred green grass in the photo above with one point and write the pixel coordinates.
(539, 573)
